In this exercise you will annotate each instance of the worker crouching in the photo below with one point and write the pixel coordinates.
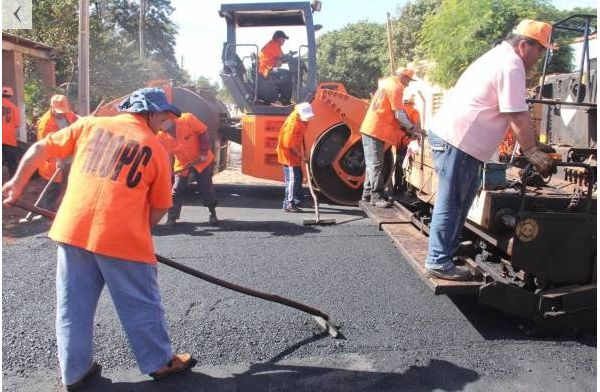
(188, 140)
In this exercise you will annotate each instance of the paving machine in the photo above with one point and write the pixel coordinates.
(530, 241)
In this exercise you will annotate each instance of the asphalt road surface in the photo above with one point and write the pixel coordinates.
(399, 337)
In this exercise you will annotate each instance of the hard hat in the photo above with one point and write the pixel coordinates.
(539, 31)
(305, 111)
(60, 104)
(402, 71)
(148, 100)
(7, 91)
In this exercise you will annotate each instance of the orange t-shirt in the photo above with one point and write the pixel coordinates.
(119, 172)
(185, 146)
(380, 121)
(46, 125)
(268, 56)
(290, 136)
(413, 115)
(11, 119)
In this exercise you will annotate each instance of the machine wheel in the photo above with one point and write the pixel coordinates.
(338, 165)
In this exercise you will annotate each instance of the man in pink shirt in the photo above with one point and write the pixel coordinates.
(488, 98)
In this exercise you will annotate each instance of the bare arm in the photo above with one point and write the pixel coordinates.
(32, 159)
(522, 126)
(156, 215)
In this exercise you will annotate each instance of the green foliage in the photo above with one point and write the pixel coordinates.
(406, 29)
(474, 26)
(115, 66)
(355, 55)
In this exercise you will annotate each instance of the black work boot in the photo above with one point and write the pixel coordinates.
(212, 219)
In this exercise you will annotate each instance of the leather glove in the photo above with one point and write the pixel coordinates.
(542, 162)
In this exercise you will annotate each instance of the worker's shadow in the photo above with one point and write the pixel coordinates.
(275, 228)
(273, 377)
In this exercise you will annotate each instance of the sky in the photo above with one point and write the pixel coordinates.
(202, 31)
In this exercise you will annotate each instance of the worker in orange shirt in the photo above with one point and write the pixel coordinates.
(187, 139)
(270, 58)
(11, 119)
(415, 117)
(290, 154)
(384, 124)
(119, 187)
(59, 116)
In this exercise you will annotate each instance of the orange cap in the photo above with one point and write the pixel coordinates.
(539, 31)
(7, 91)
(60, 104)
(405, 72)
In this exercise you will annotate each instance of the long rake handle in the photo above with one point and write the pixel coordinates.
(201, 275)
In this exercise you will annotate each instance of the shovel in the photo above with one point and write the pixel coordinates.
(29, 215)
(321, 318)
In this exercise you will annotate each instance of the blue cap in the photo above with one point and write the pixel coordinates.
(148, 100)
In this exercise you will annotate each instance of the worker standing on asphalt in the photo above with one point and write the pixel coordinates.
(187, 138)
(11, 119)
(290, 154)
(385, 124)
(119, 187)
(59, 116)
(487, 99)
(270, 58)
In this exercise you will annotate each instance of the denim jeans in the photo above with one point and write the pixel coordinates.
(80, 278)
(292, 175)
(374, 151)
(458, 176)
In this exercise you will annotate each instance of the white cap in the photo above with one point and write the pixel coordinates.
(305, 111)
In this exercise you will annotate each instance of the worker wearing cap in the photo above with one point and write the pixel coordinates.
(290, 153)
(401, 149)
(270, 58)
(488, 98)
(188, 140)
(119, 187)
(59, 116)
(384, 124)
(11, 119)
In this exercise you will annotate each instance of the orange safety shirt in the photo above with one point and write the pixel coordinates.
(290, 137)
(11, 119)
(413, 115)
(380, 121)
(120, 171)
(268, 57)
(185, 146)
(46, 125)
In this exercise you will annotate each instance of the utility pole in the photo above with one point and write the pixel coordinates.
(141, 31)
(390, 38)
(83, 60)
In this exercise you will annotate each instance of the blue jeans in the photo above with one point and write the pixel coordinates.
(80, 278)
(458, 176)
(374, 151)
(292, 175)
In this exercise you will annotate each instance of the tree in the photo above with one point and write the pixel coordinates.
(355, 55)
(406, 29)
(482, 24)
(115, 66)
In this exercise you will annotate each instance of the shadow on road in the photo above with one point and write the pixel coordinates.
(494, 324)
(276, 228)
(434, 375)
